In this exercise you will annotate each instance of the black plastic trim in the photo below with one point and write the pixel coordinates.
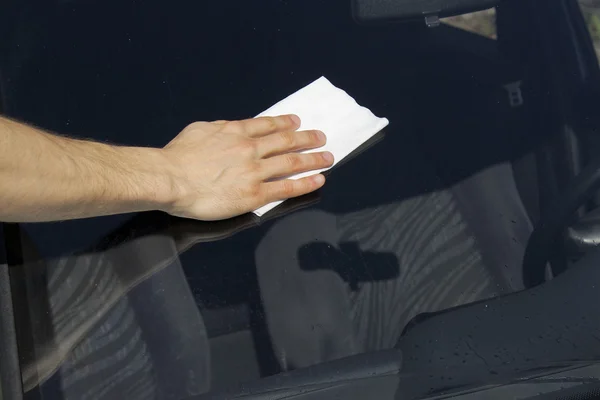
(10, 371)
(374, 11)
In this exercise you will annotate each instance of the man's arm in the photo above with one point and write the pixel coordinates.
(209, 171)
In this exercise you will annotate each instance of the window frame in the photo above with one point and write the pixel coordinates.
(10, 369)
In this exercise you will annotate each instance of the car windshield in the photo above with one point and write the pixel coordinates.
(409, 263)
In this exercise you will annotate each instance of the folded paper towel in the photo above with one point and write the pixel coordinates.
(324, 107)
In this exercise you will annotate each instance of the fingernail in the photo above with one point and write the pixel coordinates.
(327, 156)
(295, 119)
(319, 179)
(322, 136)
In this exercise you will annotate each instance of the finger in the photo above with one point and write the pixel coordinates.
(263, 126)
(286, 142)
(294, 163)
(288, 188)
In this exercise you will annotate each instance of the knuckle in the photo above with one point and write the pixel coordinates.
(255, 190)
(247, 148)
(293, 161)
(288, 140)
(271, 124)
(320, 160)
(251, 190)
(314, 137)
(254, 168)
(287, 188)
(195, 126)
(317, 161)
(233, 126)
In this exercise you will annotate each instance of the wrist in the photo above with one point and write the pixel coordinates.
(158, 190)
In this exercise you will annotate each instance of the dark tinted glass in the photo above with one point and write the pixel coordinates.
(433, 213)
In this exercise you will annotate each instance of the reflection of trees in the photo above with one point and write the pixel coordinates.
(482, 22)
(590, 3)
(591, 13)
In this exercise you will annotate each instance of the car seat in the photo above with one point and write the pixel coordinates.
(113, 323)
(496, 340)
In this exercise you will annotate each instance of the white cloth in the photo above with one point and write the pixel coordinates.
(324, 107)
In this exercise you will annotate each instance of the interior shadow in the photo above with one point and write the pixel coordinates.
(351, 263)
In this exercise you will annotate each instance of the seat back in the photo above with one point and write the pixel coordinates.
(120, 321)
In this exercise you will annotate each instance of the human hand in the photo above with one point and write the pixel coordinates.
(221, 169)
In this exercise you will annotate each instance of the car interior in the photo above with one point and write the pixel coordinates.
(456, 249)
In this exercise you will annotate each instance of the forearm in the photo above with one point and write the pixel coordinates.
(45, 177)
(209, 171)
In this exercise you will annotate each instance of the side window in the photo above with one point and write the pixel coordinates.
(591, 13)
(482, 22)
